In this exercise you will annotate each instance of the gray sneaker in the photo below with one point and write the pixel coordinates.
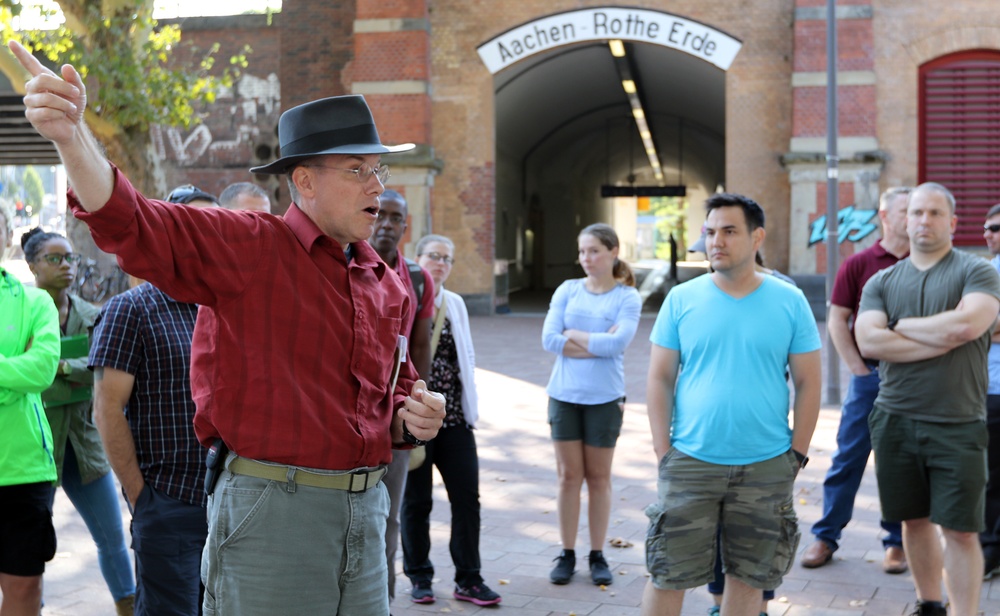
(565, 567)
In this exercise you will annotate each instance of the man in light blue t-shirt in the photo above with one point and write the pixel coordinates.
(718, 409)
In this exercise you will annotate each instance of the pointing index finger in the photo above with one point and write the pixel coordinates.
(28, 61)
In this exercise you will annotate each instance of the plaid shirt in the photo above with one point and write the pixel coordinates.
(147, 334)
(294, 348)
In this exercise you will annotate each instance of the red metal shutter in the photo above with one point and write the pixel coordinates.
(960, 134)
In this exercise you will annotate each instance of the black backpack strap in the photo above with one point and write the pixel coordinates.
(417, 277)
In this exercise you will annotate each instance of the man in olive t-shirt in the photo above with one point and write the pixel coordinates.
(928, 320)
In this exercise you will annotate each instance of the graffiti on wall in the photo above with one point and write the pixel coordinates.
(852, 225)
(247, 111)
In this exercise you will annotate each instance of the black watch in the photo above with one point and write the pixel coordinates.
(409, 439)
(801, 458)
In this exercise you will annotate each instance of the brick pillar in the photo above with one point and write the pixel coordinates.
(861, 160)
(392, 48)
(317, 49)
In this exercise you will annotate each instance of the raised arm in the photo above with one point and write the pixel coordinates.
(806, 373)
(663, 367)
(55, 105)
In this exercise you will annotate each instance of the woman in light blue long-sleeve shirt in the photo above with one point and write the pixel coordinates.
(589, 324)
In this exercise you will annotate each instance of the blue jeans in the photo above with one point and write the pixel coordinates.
(98, 505)
(848, 466)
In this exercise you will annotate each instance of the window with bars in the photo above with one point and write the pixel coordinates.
(960, 134)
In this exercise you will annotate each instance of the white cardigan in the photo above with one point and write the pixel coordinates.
(458, 315)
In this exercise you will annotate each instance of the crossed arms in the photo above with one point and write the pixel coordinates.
(919, 338)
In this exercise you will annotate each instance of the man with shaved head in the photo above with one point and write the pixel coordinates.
(928, 320)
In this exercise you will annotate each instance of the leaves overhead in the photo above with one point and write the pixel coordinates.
(137, 71)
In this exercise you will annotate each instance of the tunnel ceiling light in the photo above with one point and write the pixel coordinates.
(632, 93)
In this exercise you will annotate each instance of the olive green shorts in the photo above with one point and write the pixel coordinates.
(597, 425)
(930, 470)
(752, 504)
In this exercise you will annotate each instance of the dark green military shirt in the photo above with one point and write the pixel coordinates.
(950, 388)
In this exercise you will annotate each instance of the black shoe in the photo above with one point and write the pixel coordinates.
(599, 571)
(991, 563)
(991, 569)
(565, 567)
(422, 593)
(480, 594)
(929, 608)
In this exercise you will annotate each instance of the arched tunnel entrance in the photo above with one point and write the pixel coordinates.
(566, 126)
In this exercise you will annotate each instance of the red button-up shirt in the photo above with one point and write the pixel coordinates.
(294, 347)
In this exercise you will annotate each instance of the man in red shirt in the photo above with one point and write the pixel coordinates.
(853, 441)
(389, 229)
(295, 354)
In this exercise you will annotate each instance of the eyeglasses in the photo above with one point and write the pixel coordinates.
(437, 257)
(54, 258)
(991, 228)
(396, 219)
(364, 172)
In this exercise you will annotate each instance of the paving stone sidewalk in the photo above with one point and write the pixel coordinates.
(520, 526)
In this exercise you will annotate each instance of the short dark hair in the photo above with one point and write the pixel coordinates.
(993, 211)
(752, 212)
(394, 195)
(232, 192)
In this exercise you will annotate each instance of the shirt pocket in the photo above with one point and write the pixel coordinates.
(385, 345)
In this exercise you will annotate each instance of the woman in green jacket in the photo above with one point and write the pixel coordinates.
(29, 353)
(82, 467)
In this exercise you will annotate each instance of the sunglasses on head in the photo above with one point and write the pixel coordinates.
(991, 228)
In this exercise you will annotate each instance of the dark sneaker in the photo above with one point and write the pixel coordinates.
(929, 608)
(991, 562)
(480, 594)
(422, 593)
(599, 571)
(565, 567)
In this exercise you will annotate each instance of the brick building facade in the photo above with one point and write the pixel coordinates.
(510, 164)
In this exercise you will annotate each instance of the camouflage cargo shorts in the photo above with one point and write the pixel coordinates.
(753, 505)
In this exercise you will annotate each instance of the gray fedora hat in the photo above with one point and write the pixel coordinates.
(335, 125)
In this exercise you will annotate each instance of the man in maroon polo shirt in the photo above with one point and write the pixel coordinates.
(389, 229)
(854, 447)
(296, 353)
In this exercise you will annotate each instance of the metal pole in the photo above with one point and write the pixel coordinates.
(832, 197)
